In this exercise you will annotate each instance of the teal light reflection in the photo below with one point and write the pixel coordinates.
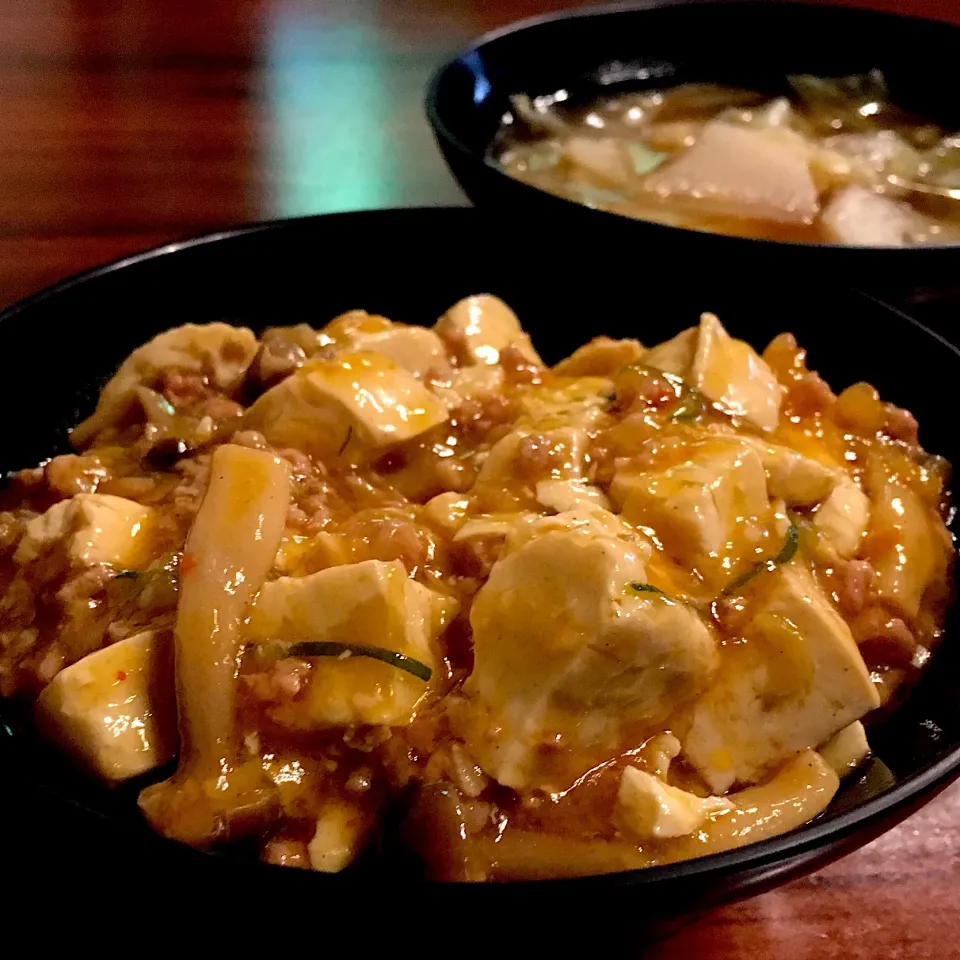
(329, 119)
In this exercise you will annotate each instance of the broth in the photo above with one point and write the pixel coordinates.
(833, 162)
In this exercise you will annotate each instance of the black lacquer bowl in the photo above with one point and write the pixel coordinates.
(602, 51)
(63, 343)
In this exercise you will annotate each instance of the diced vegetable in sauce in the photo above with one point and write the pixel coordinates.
(376, 584)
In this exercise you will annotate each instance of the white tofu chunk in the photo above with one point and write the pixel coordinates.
(728, 372)
(733, 375)
(94, 528)
(740, 172)
(372, 603)
(337, 839)
(674, 355)
(578, 402)
(491, 525)
(711, 505)
(565, 649)
(846, 750)
(601, 357)
(795, 680)
(522, 456)
(219, 351)
(564, 495)
(412, 348)
(591, 520)
(115, 710)
(479, 327)
(842, 519)
(447, 511)
(905, 569)
(355, 401)
(798, 480)
(650, 809)
(857, 216)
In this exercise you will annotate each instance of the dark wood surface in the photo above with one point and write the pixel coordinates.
(128, 124)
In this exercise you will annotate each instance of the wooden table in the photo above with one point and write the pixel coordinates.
(127, 125)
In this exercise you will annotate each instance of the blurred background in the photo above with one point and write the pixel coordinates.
(128, 124)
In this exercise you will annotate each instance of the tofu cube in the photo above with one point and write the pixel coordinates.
(794, 680)
(219, 351)
(412, 348)
(846, 750)
(734, 376)
(479, 328)
(798, 480)
(93, 528)
(729, 372)
(115, 710)
(372, 603)
(704, 509)
(842, 519)
(337, 839)
(353, 402)
(567, 651)
(601, 357)
(522, 456)
(914, 555)
(649, 809)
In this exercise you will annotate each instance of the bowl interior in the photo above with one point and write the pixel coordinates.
(608, 50)
(410, 266)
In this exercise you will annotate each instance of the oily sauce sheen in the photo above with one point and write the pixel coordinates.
(654, 590)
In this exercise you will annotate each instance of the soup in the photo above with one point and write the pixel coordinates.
(834, 162)
(374, 585)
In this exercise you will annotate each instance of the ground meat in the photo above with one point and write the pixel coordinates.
(474, 557)
(518, 367)
(475, 418)
(11, 530)
(189, 492)
(300, 464)
(537, 456)
(284, 349)
(70, 474)
(283, 681)
(286, 853)
(184, 388)
(18, 604)
(884, 640)
(391, 538)
(901, 424)
(856, 579)
(809, 395)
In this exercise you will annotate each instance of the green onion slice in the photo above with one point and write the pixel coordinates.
(786, 554)
(342, 651)
(646, 588)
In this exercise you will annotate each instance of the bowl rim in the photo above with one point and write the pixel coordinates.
(918, 786)
(600, 10)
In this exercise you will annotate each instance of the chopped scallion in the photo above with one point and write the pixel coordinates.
(332, 648)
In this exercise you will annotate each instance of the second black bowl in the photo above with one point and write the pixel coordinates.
(656, 43)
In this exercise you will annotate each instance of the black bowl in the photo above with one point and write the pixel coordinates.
(599, 51)
(410, 265)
